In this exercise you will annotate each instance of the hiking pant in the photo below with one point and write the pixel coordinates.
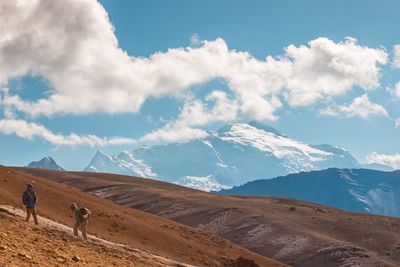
(83, 227)
(29, 212)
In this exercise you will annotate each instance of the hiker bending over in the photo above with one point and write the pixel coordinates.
(29, 199)
(81, 219)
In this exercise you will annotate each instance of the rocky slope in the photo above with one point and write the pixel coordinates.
(53, 244)
(138, 230)
(357, 190)
(234, 155)
(295, 232)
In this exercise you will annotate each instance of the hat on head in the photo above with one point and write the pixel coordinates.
(73, 206)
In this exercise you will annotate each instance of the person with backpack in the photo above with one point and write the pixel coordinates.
(81, 220)
(29, 200)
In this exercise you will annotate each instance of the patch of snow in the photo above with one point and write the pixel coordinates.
(207, 183)
(221, 162)
(123, 163)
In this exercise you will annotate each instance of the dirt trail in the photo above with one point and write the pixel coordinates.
(53, 244)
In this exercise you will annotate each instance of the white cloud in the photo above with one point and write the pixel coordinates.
(31, 131)
(330, 111)
(359, 107)
(173, 132)
(325, 68)
(397, 123)
(216, 107)
(392, 161)
(195, 40)
(396, 90)
(396, 56)
(73, 46)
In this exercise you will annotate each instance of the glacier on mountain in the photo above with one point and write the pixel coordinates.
(235, 154)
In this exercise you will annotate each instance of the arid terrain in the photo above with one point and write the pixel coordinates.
(51, 244)
(294, 232)
(124, 236)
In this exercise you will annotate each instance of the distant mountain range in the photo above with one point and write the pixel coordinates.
(46, 163)
(357, 190)
(235, 154)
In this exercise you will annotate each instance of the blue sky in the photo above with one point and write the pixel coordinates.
(85, 62)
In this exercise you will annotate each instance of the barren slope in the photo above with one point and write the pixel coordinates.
(296, 232)
(134, 228)
(52, 244)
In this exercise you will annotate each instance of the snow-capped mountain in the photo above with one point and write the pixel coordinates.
(123, 163)
(46, 163)
(357, 190)
(234, 155)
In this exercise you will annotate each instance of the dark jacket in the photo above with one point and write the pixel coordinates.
(29, 199)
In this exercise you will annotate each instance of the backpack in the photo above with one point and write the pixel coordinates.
(85, 213)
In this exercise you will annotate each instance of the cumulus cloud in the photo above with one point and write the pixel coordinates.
(360, 107)
(72, 45)
(29, 130)
(216, 107)
(174, 132)
(325, 68)
(396, 56)
(392, 161)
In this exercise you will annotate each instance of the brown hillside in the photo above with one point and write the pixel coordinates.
(295, 232)
(52, 244)
(127, 226)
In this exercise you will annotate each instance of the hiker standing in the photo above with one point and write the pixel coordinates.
(81, 220)
(29, 199)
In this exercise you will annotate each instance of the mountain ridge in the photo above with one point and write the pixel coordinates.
(233, 155)
(46, 163)
(354, 190)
